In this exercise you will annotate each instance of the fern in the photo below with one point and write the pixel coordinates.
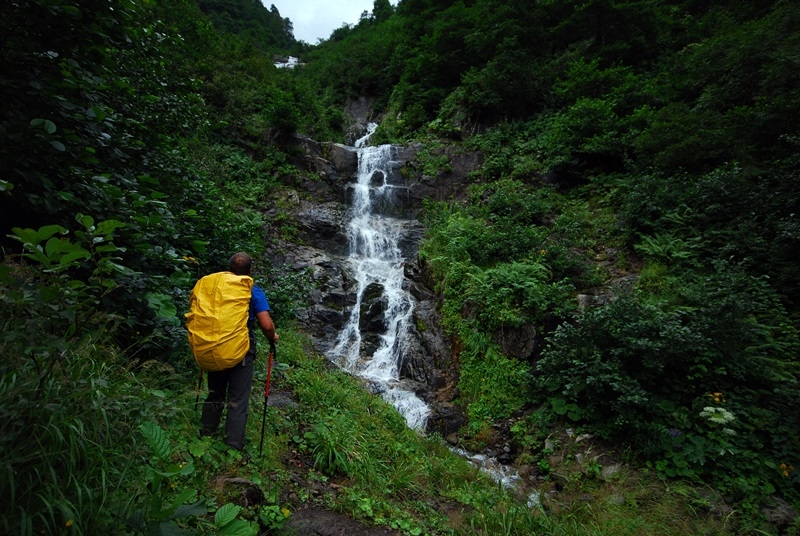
(668, 247)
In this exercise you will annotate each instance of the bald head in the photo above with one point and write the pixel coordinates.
(240, 264)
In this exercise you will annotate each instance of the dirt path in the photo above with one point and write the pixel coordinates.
(315, 521)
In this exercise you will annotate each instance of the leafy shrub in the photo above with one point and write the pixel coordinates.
(649, 372)
(492, 386)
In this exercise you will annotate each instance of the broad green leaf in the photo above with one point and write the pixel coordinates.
(187, 469)
(29, 236)
(86, 221)
(165, 528)
(181, 500)
(47, 125)
(157, 438)
(172, 470)
(6, 273)
(72, 10)
(37, 254)
(197, 449)
(148, 179)
(96, 113)
(190, 510)
(57, 145)
(226, 514)
(5, 186)
(106, 227)
(238, 527)
(199, 245)
(49, 230)
(49, 294)
(162, 305)
(74, 256)
(54, 246)
(26, 236)
(117, 267)
(108, 248)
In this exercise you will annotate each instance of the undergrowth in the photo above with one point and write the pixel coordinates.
(95, 447)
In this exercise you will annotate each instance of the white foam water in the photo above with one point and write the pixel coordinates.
(375, 258)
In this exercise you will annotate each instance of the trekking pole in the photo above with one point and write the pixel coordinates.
(266, 394)
(199, 385)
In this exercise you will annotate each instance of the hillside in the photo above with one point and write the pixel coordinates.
(614, 276)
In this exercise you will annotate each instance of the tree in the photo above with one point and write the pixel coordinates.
(381, 10)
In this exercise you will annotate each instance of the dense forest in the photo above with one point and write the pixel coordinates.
(638, 206)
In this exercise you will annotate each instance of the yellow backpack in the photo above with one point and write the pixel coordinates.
(217, 320)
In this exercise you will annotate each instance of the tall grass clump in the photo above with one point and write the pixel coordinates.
(66, 435)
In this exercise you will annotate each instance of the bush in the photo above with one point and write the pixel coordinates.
(667, 375)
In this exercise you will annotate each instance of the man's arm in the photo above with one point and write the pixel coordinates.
(267, 326)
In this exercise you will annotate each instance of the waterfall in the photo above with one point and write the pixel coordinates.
(377, 265)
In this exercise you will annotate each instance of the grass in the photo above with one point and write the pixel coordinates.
(74, 457)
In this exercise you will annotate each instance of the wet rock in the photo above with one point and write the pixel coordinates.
(524, 471)
(609, 472)
(616, 500)
(281, 399)
(374, 304)
(377, 179)
(505, 458)
(445, 420)
(779, 513)
(344, 159)
(518, 343)
(322, 227)
(360, 112)
(415, 363)
(318, 175)
(449, 182)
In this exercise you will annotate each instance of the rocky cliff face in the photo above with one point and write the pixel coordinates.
(317, 206)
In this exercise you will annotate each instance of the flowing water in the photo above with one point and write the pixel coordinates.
(377, 265)
(376, 262)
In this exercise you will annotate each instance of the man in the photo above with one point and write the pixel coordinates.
(235, 383)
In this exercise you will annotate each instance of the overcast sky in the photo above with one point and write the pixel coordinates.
(316, 19)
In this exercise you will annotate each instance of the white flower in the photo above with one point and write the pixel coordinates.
(717, 415)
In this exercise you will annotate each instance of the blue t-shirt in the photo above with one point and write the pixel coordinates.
(258, 302)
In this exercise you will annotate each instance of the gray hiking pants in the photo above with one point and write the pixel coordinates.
(229, 388)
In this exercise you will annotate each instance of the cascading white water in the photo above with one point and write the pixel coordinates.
(375, 258)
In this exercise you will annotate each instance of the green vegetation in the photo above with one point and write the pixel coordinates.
(644, 153)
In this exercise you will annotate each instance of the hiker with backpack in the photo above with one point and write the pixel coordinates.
(225, 310)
